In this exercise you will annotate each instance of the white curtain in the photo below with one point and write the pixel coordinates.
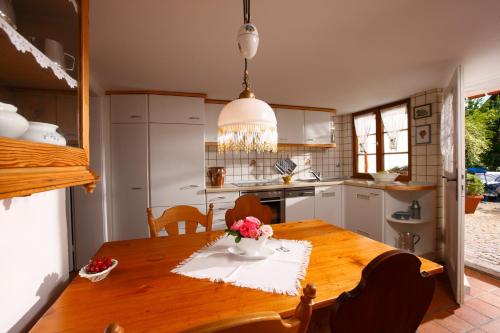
(395, 119)
(362, 125)
(446, 135)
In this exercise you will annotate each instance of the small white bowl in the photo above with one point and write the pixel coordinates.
(384, 177)
(94, 277)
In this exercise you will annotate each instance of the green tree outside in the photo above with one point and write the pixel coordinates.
(482, 133)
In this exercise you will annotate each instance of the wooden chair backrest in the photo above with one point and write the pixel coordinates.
(248, 205)
(171, 217)
(392, 297)
(266, 321)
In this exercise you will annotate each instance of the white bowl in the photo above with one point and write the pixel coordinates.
(94, 277)
(384, 177)
(12, 124)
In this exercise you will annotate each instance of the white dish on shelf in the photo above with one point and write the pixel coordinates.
(384, 177)
(12, 124)
(44, 133)
(263, 253)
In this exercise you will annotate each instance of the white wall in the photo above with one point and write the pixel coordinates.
(33, 256)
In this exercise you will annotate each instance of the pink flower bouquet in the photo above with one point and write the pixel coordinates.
(250, 227)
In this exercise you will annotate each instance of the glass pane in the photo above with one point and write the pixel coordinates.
(401, 144)
(371, 145)
(372, 163)
(396, 163)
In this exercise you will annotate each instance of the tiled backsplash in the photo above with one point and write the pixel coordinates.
(330, 162)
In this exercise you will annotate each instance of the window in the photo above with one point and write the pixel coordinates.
(381, 140)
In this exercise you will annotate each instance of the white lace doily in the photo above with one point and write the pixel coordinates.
(23, 45)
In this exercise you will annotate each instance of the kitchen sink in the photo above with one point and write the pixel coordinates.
(323, 179)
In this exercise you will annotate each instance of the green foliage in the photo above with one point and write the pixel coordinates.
(474, 185)
(482, 133)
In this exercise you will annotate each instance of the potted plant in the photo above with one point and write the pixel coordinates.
(250, 234)
(475, 191)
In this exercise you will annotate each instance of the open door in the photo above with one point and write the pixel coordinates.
(453, 154)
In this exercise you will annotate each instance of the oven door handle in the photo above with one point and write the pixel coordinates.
(272, 200)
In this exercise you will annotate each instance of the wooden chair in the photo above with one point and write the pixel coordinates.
(248, 205)
(114, 328)
(392, 297)
(266, 321)
(171, 217)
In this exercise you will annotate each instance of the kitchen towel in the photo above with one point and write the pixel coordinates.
(279, 273)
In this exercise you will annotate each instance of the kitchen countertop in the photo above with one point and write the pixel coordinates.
(394, 186)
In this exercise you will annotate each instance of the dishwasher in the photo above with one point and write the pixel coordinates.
(299, 203)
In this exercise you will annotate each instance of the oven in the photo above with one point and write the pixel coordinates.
(275, 199)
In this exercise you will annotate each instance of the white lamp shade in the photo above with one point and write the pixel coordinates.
(247, 124)
(248, 40)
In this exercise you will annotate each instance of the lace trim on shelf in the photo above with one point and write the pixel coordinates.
(24, 46)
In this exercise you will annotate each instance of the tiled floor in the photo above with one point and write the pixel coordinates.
(480, 313)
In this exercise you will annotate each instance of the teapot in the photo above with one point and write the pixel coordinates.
(407, 241)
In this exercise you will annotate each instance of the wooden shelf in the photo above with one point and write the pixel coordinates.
(282, 145)
(409, 187)
(20, 69)
(410, 221)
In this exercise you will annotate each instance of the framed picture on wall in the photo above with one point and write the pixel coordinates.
(423, 134)
(422, 111)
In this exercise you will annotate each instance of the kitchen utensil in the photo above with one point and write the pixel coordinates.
(216, 175)
(289, 165)
(55, 51)
(7, 12)
(407, 241)
(12, 125)
(278, 168)
(415, 210)
(43, 132)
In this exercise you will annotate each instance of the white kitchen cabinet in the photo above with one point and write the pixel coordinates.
(328, 204)
(129, 108)
(176, 109)
(299, 206)
(222, 201)
(364, 211)
(290, 125)
(317, 128)
(129, 180)
(212, 112)
(177, 164)
(158, 211)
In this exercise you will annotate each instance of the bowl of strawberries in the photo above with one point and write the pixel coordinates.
(97, 269)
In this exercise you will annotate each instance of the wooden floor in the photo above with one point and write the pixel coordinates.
(480, 313)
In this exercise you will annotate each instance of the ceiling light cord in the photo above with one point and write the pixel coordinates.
(246, 11)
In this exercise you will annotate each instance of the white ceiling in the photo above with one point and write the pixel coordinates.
(345, 54)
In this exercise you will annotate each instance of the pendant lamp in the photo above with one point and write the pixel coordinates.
(247, 123)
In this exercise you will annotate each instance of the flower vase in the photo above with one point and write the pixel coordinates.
(251, 246)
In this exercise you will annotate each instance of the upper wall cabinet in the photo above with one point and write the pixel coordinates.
(176, 109)
(317, 127)
(129, 109)
(44, 80)
(290, 126)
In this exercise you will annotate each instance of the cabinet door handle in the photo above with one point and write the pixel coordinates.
(283, 139)
(135, 116)
(310, 140)
(328, 194)
(136, 188)
(363, 196)
(364, 233)
(194, 118)
(374, 194)
(189, 186)
(217, 198)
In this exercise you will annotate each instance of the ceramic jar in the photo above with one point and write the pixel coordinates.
(44, 132)
(12, 125)
(248, 40)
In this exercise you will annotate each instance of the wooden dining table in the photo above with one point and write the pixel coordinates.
(142, 295)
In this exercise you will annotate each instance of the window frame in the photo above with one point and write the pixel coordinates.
(379, 137)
